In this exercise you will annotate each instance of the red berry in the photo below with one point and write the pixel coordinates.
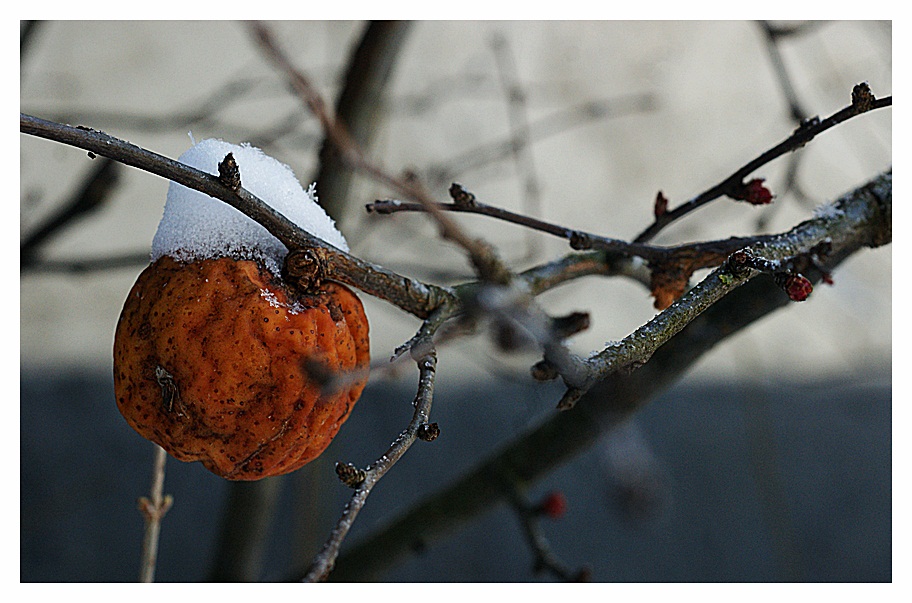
(554, 505)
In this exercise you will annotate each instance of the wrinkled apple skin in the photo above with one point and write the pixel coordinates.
(218, 361)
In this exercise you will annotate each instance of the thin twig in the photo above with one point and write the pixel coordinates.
(199, 112)
(772, 36)
(244, 531)
(735, 182)
(530, 520)
(714, 251)
(87, 265)
(153, 510)
(323, 563)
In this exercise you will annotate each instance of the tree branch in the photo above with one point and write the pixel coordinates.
(244, 530)
(862, 102)
(609, 402)
(364, 480)
(410, 295)
(853, 221)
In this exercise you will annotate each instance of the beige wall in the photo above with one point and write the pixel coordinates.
(717, 105)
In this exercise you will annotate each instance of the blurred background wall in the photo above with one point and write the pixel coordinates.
(769, 461)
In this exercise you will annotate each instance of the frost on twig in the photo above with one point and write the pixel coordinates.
(854, 221)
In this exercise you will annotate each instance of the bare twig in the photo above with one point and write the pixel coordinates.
(365, 480)
(86, 265)
(244, 530)
(359, 105)
(772, 36)
(439, 174)
(714, 251)
(862, 102)
(153, 510)
(201, 112)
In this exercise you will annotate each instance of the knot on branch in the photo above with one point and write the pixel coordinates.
(152, 511)
(580, 240)
(350, 475)
(229, 174)
(570, 398)
(862, 98)
(428, 432)
(787, 273)
(807, 123)
(741, 262)
(305, 269)
(461, 196)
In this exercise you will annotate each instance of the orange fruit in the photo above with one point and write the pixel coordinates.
(219, 361)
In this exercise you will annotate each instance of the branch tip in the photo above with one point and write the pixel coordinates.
(229, 173)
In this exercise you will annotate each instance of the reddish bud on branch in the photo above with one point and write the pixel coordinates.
(754, 193)
(661, 205)
(554, 505)
(797, 287)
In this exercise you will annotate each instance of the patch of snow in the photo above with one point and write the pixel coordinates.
(828, 211)
(270, 297)
(196, 227)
